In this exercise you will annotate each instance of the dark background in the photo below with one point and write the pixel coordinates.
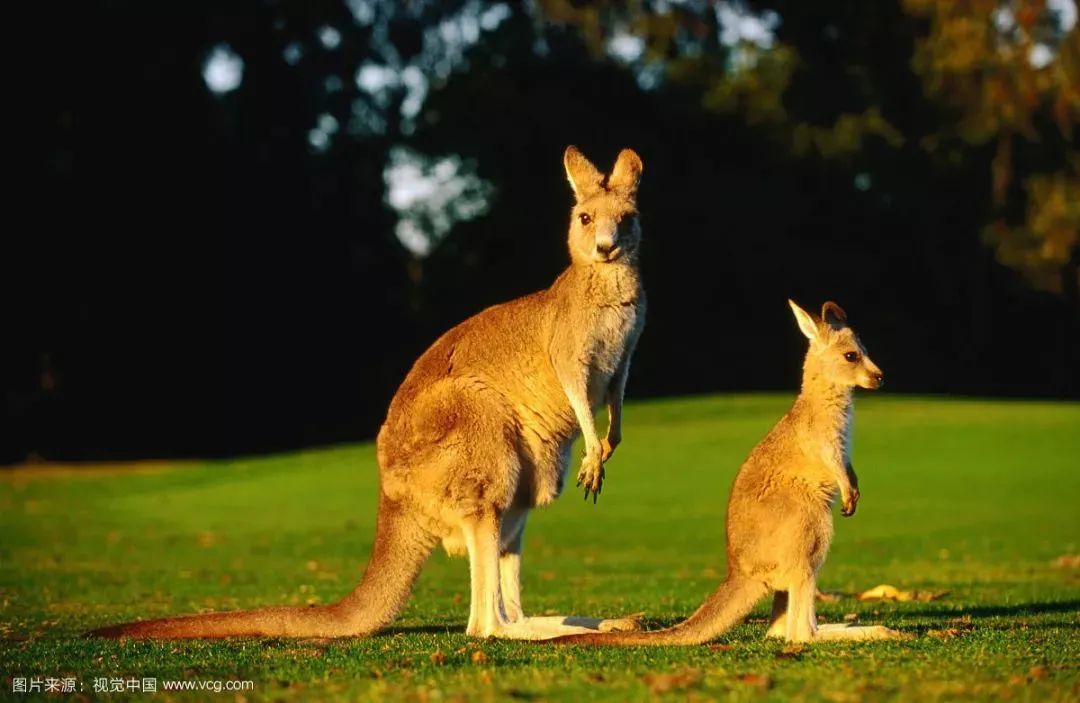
(200, 280)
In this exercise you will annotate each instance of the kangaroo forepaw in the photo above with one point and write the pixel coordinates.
(591, 476)
(607, 448)
(851, 501)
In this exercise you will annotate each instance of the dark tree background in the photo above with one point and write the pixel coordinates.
(215, 269)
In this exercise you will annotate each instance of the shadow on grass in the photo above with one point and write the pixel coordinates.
(993, 611)
(423, 630)
(459, 629)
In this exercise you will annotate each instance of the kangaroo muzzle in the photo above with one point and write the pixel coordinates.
(605, 247)
(873, 378)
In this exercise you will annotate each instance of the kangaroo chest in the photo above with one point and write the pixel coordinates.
(614, 331)
(604, 347)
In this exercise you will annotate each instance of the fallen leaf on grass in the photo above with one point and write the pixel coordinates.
(851, 617)
(1067, 561)
(1036, 672)
(828, 596)
(721, 647)
(957, 626)
(759, 680)
(479, 657)
(661, 683)
(892, 593)
(882, 592)
(437, 658)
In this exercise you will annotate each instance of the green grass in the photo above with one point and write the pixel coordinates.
(976, 498)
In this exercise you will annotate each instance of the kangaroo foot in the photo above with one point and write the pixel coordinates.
(834, 632)
(548, 627)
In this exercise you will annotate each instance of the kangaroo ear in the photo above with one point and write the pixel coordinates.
(626, 173)
(807, 322)
(584, 178)
(833, 315)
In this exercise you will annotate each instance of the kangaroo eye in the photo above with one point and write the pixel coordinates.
(852, 356)
(585, 219)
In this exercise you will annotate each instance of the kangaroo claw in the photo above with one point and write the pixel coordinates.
(591, 476)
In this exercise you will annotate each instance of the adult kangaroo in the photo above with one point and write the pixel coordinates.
(480, 431)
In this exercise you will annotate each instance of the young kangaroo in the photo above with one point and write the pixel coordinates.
(779, 521)
(480, 432)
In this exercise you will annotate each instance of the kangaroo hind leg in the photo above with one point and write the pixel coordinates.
(778, 621)
(486, 616)
(801, 618)
(512, 531)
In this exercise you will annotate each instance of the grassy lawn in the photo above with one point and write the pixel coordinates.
(971, 497)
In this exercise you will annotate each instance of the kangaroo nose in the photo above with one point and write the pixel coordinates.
(604, 247)
(880, 379)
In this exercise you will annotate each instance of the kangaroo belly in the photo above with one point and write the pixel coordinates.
(778, 527)
(544, 466)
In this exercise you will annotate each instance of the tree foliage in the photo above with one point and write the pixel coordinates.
(995, 70)
(1008, 71)
(278, 207)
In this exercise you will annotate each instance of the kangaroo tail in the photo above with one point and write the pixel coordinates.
(400, 550)
(729, 603)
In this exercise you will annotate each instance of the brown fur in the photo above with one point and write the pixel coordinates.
(479, 433)
(779, 520)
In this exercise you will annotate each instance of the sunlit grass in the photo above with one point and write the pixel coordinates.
(976, 498)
